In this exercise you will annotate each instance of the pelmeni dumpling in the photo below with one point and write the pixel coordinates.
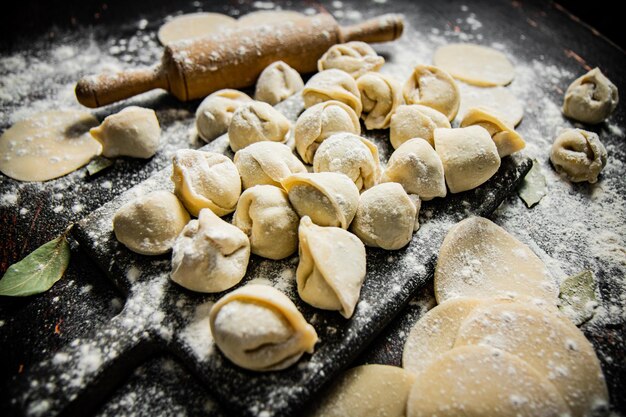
(415, 121)
(206, 180)
(506, 138)
(328, 198)
(149, 224)
(319, 122)
(356, 58)
(469, 156)
(418, 169)
(380, 96)
(433, 87)
(351, 155)
(134, 131)
(579, 155)
(266, 163)
(259, 328)
(256, 122)
(266, 216)
(277, 82)
(331, 268)
(386, 217)
(591, 98)
(332, 84)
(216, 111)
(210, 255)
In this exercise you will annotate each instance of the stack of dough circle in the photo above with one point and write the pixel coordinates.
(475, 64)
(380, 96)
(332, 84)
(433, 87)
(507, 140)
(356, 58)
(415, 121)
(256, 122)
(591, 98)
(277, 82)
(215, 113)
(579, 155)
(194, 25)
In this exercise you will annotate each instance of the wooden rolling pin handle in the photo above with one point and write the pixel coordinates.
(381, 29)
(96, 91)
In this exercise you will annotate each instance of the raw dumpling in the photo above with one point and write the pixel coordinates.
(210, 255)
(256, 122)
(317, 123)
(380, 96)
(506, 138)
(266, 163)
(216, 111)
(415, 121)
(259, 328)
(386, 217)
(356, 58)
(331, 268)
(332, 84)
(469, 156)
(417, 167)
(265, 215)
(277, 82)
(134, 131)
(475, 64)
(328, 198)
(149, 224)
(433, 87)
(351, 155)
(591, 98)
(206, 180)
(579, 155)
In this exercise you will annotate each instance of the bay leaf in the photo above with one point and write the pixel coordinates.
(98, 164)
(533, 188)
(578, 297)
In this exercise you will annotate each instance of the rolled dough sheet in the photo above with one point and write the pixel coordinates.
(194, 25)
(265, 17)
(475, 64)
(498, 100)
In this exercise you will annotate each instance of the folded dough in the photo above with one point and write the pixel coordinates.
(266, 163)
(149, 224)
(332, 84)
(319, 122)
(256, 122)
(356, 58)
(591, 98)
(415, 121)
(433, 87)
(277, 82)
(259, 328)
(331, 268)
(380, 96)
(216, 111)
(417, 167)
(210, 255)
(507, 140)
(265, 215)
(328, 198)
(579, 155)
(351, 155)
(206, 180)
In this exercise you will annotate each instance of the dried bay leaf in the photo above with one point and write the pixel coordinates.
(98, 164)
(533, 188)
(578, 297)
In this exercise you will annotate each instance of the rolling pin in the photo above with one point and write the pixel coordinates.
(195, 68)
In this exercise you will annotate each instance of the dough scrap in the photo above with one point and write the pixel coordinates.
(332, 84)
(266, 163)
(268, 17)
(591, 98)
(256, 122)
(433, 87)
(380, 96)
(48, 145)
(415, 121)
(277, 82)
(194, 25)
(215, 113)
(507, 140)
(475, 64)
(579, 155)
(497, 100)
(356, 58)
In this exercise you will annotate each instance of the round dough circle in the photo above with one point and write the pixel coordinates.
(48, 145)
(194, 25)
(498, 100)
(266, 17)
(475, 64)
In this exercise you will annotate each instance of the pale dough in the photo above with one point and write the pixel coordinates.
(268, 17)
(215, 113)
(507, 140)
(380, 96)
(475, 64)
(579, 155)
(48, 145)
(194, 25)
(277, 82)
(332, 84)
(415, 121)
(591, 98)
(432, 87)
(356, 58)
(497, 100)
(257, 121)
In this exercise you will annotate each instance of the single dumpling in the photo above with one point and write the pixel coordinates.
(418, 169)
(469, 156)
(591, 98)
(319, 122)
(386, 217)
(507, 140)
(433, 87)
(351, 155)
(259, 328)
(415, 121)
(332, 84)
(328, 198)
(206, 180)
(266, 163)
(356, 58)
(277, 82)
(331, 268)
(216, 111)
(149, 224)
(579, 155)
(134, 131)
(380, 96)
(210, 255)
(266, 216)
(256, 122)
